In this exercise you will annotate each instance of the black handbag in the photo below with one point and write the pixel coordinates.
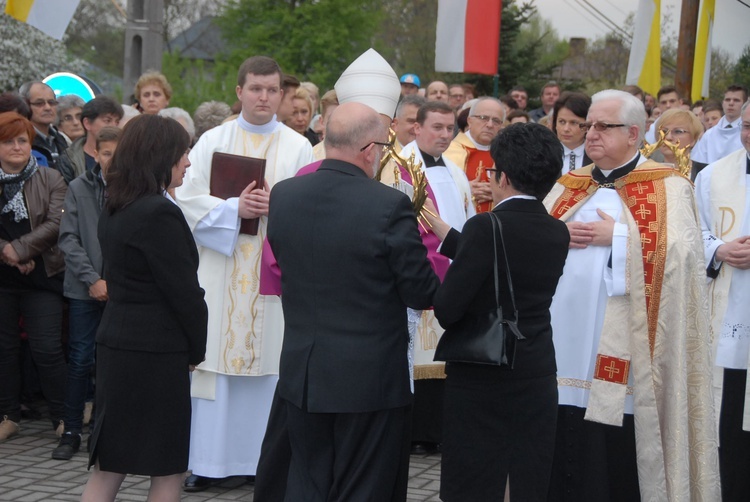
(486, 338)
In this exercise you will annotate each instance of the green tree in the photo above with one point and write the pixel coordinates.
(314, 40)
(196, 81)
(741, 72)
(535, 57)
(97, 34)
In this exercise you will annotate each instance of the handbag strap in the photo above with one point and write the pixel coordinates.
(496, 221)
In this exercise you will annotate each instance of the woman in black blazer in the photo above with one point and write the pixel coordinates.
(153, 329)
(500, 422)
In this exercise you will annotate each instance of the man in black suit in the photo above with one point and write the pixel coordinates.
(352, 261)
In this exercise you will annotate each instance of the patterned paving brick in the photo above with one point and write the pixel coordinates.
(28, 474)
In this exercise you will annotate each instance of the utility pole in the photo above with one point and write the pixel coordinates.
(144, 41)
(686, 47)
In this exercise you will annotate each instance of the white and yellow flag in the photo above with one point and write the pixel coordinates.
(702, 61)
(50, 16)
(644, 66)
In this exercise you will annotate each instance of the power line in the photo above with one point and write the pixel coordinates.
(611, 23)
(582, 13)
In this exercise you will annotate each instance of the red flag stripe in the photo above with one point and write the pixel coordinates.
(482, 36)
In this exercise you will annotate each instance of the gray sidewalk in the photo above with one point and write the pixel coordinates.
(28, 473)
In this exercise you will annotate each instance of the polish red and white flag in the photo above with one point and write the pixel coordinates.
(468, 36)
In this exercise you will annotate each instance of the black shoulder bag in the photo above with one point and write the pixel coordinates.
(484, 338)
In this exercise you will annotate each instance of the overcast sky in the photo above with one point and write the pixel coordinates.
(571, 19)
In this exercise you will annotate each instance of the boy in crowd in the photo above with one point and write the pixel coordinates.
(83, 286)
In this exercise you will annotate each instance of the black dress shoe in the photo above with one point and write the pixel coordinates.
(195, 483)
(69, 445)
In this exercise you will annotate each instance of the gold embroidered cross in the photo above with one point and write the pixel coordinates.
(612, 369)
(640, 188)
(642, 211)
(244, 283)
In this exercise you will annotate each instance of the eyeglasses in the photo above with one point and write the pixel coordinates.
(484, 118)
(384, 145)
(71, 118)
(40, 103)
(599, 126)
(676, 132)
(493, 170)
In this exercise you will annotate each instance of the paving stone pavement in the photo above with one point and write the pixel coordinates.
(28, 473)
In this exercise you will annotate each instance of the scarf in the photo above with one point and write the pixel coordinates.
(11, 190)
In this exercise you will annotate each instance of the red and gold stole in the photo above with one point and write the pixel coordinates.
(644, 194)
(477, 163)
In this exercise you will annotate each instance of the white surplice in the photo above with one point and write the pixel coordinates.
(718, 142)
(233, 388)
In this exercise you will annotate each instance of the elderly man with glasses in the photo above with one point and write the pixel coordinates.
(48, 140)
(470, 150)
(635, 417)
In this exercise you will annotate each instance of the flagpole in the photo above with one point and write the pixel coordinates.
(686, 47)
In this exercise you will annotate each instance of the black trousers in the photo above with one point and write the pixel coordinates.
(276, 454)
(344, 456)
(427, 413)
(496, 429)
(42, 317)
(734, 449)
(593, 462)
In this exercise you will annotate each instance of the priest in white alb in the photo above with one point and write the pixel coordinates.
(630, 324)
(449, 190)
(232, 389)
(723, 193)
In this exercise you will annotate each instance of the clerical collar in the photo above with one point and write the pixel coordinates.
(747, 164)
(430, 161)
(606, 179)
(266, 128)
(477, 145)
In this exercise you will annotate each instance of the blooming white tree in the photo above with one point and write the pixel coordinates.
(28, 54)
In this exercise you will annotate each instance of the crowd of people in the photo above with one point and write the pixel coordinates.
(612, 231)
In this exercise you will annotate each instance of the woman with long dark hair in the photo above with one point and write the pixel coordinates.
(154, 325)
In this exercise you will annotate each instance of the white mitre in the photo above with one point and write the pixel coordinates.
(370, 80)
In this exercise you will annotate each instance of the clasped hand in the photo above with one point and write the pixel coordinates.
(10, 257)
(735, 253)
(595, 233)
(253, 202)
(480, 190)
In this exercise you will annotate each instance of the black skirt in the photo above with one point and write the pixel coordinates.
(142, 412)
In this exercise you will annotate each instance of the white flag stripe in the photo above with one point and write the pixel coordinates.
(641, 36)
(52, 16)
(450, 35)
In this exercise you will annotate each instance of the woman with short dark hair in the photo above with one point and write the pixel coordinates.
(154, 325)
(499, 420)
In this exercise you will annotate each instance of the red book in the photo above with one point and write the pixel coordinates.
(231, 174)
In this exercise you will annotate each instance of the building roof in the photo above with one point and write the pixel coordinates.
(202, 40)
